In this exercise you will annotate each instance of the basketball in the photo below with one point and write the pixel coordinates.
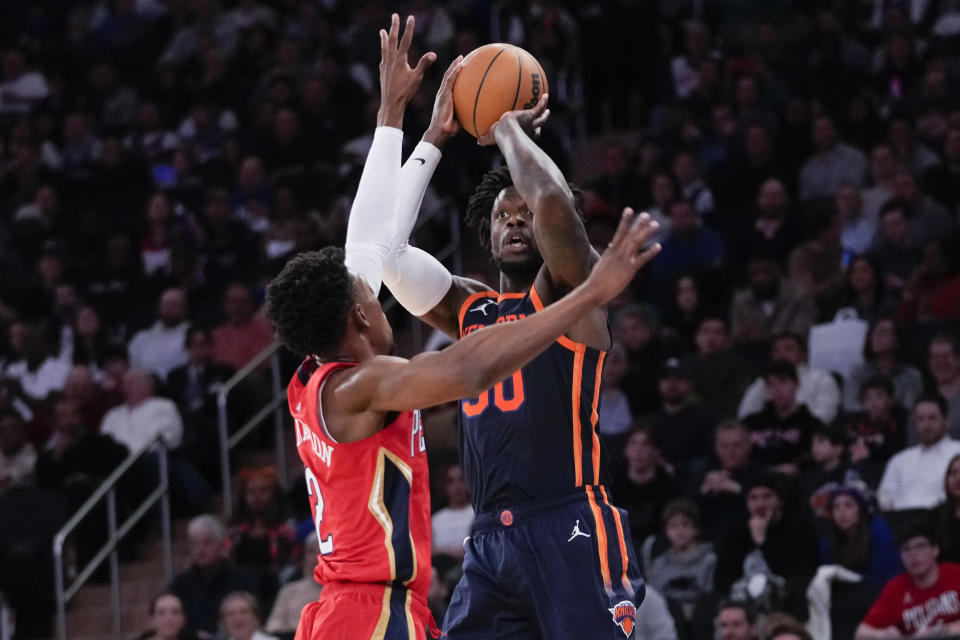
(496, 78)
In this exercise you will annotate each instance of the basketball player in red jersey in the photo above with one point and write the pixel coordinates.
(355, 407)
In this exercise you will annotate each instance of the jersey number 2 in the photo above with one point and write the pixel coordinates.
(475, 407)
(313, 490)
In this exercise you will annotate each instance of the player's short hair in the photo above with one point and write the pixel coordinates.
(308, 302)
(207, 523)
(481, 202)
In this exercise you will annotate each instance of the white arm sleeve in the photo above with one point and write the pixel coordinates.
(369, 233)
(416, 279)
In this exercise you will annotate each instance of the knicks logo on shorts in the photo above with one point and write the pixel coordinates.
(625, 615)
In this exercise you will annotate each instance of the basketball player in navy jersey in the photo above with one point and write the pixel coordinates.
(355, 406)
(549, 556)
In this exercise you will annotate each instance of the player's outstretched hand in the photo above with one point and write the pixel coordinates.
(624, 256)
(530, 120)
(398, 81)
(443, 122)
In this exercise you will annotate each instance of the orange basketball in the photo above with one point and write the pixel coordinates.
(496, 78)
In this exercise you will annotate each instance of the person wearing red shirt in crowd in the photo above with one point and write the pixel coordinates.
(245, 334)
(924, 601)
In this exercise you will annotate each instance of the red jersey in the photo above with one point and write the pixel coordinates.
(904, 606)
(370, 499)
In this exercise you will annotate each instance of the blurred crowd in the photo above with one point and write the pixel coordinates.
(781, 404)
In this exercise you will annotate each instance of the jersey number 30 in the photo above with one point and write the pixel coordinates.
(313, 490)
(474, 408)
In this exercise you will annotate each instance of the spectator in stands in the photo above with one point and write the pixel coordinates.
(689, 246)
(895, 250)
(92, 399)
(735, 621)
(683, 427)
(683, 572)
(783, 429)
(948, 513)
(210, 577)
(858, 539)
(720, 374)
(17, 456)
(770, 304)
(719, 492)
(75, 451)
(20, 89)
(162, 348)
(775, 531)
(932, 294)
(773, 230)
(693, 188)
(789, 632)
(230, 247)
(142, 416)
(294, 596)
(167, 620)
(882, 354)
(817, 389)
(246, 332)
(943, 181)
(923, 601)
(913, 477)
(615, 187)
(878, 431)
(451, 525)
(654, 620)
(635, 327)
(615, 416)
(646, 485)
(858, 230)
(831, 165)
(828, 464)
(944, 365)
(194, 387)
(40, 372)
(89, 337)
(862, 290)
(816, 265)
(240, 617)
(930, 219)
(262, 538)
(883, 170)
(684, 309)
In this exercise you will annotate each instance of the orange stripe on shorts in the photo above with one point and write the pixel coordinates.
(601, 540)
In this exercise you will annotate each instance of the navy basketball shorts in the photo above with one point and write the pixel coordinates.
(563, 568)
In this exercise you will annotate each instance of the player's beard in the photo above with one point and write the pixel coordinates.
(523, 269)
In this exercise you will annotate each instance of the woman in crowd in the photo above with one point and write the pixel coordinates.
(863, 291)
(858, 540)
(949, 514)
(684, 309)
(167, 620)
(263, 539)
(882, 356)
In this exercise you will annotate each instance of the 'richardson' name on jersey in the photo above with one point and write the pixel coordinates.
(322, 450)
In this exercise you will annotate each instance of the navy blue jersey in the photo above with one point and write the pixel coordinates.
(532, 436)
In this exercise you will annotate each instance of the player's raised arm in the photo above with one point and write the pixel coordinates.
(419, 282)
(369, 240)
(557, 227)
(489, 355)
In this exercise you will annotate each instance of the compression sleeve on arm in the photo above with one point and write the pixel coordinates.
(415, 278)
(369, 232)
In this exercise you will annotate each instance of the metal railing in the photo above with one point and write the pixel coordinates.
(108, 490)
(229, 442)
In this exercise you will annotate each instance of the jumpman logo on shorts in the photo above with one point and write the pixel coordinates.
(576, 532)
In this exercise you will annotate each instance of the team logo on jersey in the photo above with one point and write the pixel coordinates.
(625, 615)
(483, 307)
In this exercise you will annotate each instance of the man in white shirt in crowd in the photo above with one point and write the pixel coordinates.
(142, 416)
(818, 389)
(18, 458)
(294, 596)
(452, 523)
(39, 373)
(913, 478)
(20, 89)
(162, 348)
